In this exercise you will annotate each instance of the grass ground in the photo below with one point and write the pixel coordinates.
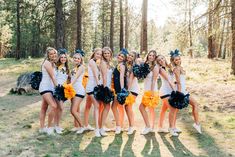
(208, 81)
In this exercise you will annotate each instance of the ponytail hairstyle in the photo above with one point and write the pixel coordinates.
(94, 51)
(151, 65)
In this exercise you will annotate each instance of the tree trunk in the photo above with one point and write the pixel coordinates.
(211, 38)
(18, 30)
(112, 24)
(121, 26)
(79, 25)
(59, 25)
(144, 40)
(126, 25)
(233, 36)
(103, 23)
(190, 30)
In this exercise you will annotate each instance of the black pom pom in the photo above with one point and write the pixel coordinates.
(145, 70)
(178, 100)
(36, 78)
(137, 71)
(121, 97)
(59, 93)
(99, 92)
(108, 95)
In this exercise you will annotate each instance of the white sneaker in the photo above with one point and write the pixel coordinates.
(89, 128)
(107, 129)
(50, 131)
(152, 130)
(58, 130)
(80, 130)
(145, 131)
(162, 130)
(97, 133)
(130, 131)
(118, 130)
(103, 132)
(74, 129)
(177, 130)
(197, 127)
(172, 132)
(43, 130)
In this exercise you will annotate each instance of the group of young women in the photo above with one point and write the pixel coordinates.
(56, 72)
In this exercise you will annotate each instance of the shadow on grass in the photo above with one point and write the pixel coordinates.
(127, 150)
(177, 149)
(114, 148)
(44, 145)
(207, 143)
(151, 147)
(94, 148)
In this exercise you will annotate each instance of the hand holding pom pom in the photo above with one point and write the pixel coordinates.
(69, 91)
(99, 92)
(121, 97)
(178, 100)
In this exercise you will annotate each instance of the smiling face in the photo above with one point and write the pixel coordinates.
(161, 60)
(63, 58)
(177, 60)
(97, 54)
(151, 57)
(52, 55)
(120, 57)
(77, 59)
(107, 55)
(131, 57)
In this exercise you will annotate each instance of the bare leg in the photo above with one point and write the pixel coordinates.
(59, 112)
(130, 115)
(115, 112)
(101, 109)
(76, 101)
(152, 116)
(121, 114)
(52, 103)
(194, 105)
(43, 111)
(104, 114)
(145, 115)
(172, 116)
(96, 111)
(87, 110)
(162, 113)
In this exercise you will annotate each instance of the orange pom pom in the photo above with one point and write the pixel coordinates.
(69, 91)
(130, 100)
(150, 100)
(85, 79)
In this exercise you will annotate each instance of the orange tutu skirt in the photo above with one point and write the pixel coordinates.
(130, 100)
(150, 101)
